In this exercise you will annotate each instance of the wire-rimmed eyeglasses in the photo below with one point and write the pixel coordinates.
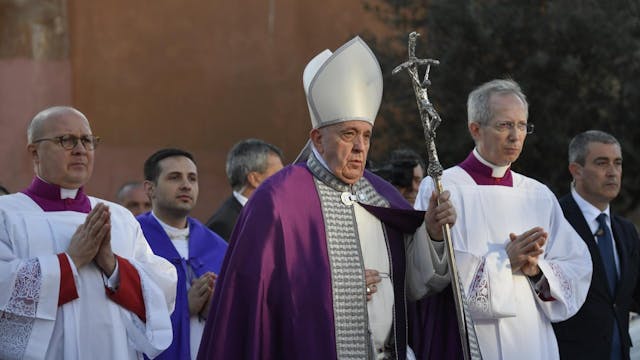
(68, 142)
(507, 126)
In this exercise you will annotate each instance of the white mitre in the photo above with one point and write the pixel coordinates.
(344, 85)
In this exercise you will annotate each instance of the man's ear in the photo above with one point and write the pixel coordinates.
(254, 179)
(32, 149)
(474, 130)
(316, 138)
(576, 170)
(149, 188)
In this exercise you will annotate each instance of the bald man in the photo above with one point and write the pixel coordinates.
(79, 280)
(132, 196)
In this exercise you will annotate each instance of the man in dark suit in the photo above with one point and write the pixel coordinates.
(600, 330)
(249, 163)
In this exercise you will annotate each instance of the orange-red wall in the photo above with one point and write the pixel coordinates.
(199, 75)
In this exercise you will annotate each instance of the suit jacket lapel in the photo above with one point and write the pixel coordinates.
(622, 248)
(576, 219)
(235, 204)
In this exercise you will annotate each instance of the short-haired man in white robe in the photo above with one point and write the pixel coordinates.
(79, 280)
(521, 263)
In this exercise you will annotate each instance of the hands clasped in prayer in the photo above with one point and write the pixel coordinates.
(525, 249)
(200, 294)
(92, 241)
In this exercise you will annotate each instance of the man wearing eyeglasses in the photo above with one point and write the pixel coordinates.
(521, 263)
(79, 280)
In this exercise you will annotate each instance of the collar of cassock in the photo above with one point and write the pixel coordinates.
(52, 197)
(362, 192)
(485, 173)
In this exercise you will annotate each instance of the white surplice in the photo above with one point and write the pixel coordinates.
(511, 320)
(427, 272)
(427, 269)
(32, 326)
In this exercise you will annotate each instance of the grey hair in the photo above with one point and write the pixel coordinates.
(34, 130)
(247, 156)
(578, 147)
(478, 103)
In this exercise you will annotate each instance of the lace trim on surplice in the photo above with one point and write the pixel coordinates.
(565, 284)
(17, 319)
(478, 299)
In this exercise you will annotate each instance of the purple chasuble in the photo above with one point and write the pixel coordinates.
(47, 196)
(433, 327)
(274, 295)
(206, 253)
(481, 173)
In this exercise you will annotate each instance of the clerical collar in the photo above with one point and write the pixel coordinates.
(51, 197)
(173, 233)
(241, 198)
(485, 173)
(319, 157)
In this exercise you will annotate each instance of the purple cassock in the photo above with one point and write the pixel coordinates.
(433, 327)
(206, 253)
(274, 294)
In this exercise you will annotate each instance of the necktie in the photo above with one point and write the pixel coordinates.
(605, 244)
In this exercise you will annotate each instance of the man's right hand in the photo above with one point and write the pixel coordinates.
(200, 292)
(372, 279)
(439, 213)
(87, 239)
(523, 250)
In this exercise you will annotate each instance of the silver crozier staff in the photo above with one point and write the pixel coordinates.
(430, 121)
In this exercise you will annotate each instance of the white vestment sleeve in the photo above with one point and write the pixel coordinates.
(33, 326)
(480, 249)
(488, 283)
(512, 319)
(566, 265)
(29, 299)
(158, 280)
(427, 268)
(486, 279)
(113, 281)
